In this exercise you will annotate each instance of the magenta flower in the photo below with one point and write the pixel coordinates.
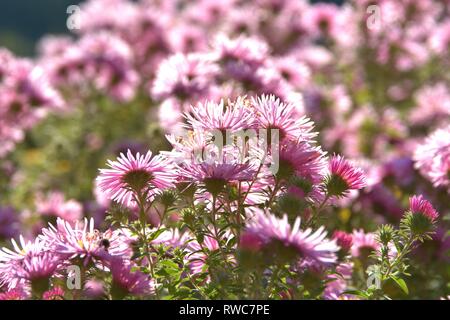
(29, 262)
(343, 177)
(126, 281)
(134, 174)
(212, 116)
(343, 240)
(305, 244)
(84, 242)
(272, 113)
(56, 293)
(301, 159)
(14, 294)
(432, 157)
(363, 243)
(197, 256)
(54, 205)
(37, 266)
(184, 77)
(418, 205)
(214, 176)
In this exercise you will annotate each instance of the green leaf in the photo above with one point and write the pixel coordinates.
(358, 293)
(401, 283)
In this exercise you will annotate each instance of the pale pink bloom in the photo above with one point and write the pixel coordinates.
(339, 282)
(14, 294)
(84, 242)
(30, 260)
(363, 243)
(440, 39)
(293, 71)
(432, 157)
(302, 159)
(143, 172)
(199, 253)
(241, 50)
(171, 238)
(273, 114)
(217, 116)
(433, 103)
(56, 293)
(130, 281)
(308, 244)
(321, 19)
(184, 77)
(54, 204)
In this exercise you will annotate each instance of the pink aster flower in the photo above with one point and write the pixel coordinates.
(56, 293)
(343, 177)
(338, 282)
(272, 113)
(37, 266)
(184, 77)
(302, 159)
(293, 71)
(305, 244)
(432, 157)
(322, 19)
(29, 262)
(198, 256)
(14, 294)
(242, 51)
(212, 116)
(343, 240)
(54, 205)
(363, 243)
(126, 281)
(131, 174)
(418, 205)
(84, 242)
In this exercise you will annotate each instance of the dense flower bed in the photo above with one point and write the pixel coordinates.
(269, 149)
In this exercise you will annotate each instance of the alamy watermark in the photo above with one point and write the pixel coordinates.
(74, 19)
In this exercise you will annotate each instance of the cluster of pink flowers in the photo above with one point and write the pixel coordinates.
(285, 133)
(26, 96)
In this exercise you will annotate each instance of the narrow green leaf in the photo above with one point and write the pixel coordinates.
(401, 283)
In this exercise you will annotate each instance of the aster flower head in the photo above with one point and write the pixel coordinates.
(301, 159)
(363, 244)
(343, 177)
(14, 294)
(184, 77)
(197, 256)
(54, 205)
(31, 262)
(343, 240)
(421, 216)
(82, 241)
(291, 243)
(130, 175)
(432, 157)
(217, 116)
(241, 50)
(272, 113)
(214, 176)
(56, 293)
(126, 281)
